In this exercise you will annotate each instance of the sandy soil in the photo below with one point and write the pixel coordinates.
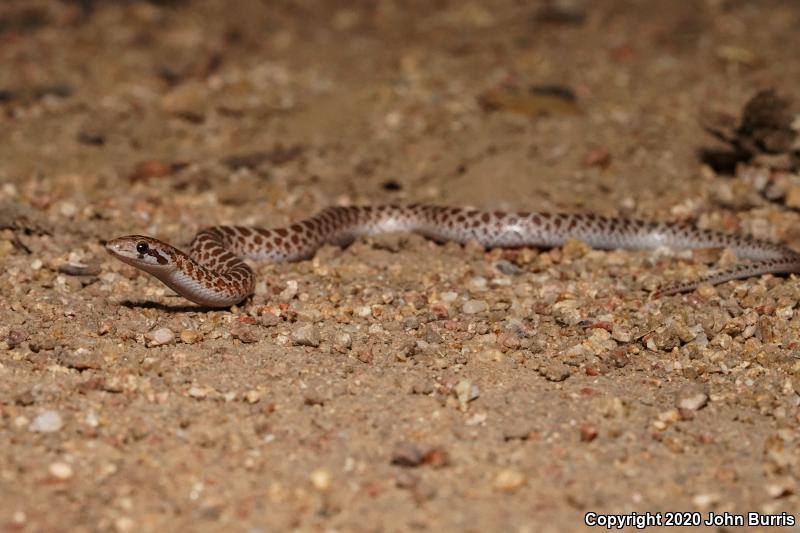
(395, 385)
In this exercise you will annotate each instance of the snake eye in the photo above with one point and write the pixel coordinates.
(142, 247)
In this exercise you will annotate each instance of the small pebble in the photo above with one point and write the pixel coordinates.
(92, 420)
(514, 430)
(289, 292)
(407, 454)
(25, 398)
(82, 359)
(436, 457)
(252, 396)
(124, 524)
(473, 307)
(309, 313)
(478, 419)
(691, 399)
(159, 337)
(509, 480)
(449, 296)
(508, 268)
(588, 432)
(705, 500)
(490, 354)
(781, 490)
(61, 470)
(269, 319)
(410, 322)
(555, 372)
(46, 422)
(343, 341)
(187, 99)
(189, 336)
(422, 387)
(793, 197)
(432, 336)
(321, 479)
(363, 311)
(244, 332)
(621, 334)
(306, 335)
(198, 392)
(68, 209)
(146, 170)
(478, 283)
(16, 337)
(465, 392)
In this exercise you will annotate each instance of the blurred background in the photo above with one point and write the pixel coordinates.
(553, 104)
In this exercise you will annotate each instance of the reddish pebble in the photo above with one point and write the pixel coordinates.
(623, 53)
(598, 157)
(439, 311)
(150, 169)
(588, 432)
(436, 457)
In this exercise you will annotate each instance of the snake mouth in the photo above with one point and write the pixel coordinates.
(114, 247)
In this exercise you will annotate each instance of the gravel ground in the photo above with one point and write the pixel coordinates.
(397, 384)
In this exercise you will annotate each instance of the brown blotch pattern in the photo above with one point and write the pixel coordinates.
(215, 256)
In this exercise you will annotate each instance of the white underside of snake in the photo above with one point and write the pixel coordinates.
(213, 274)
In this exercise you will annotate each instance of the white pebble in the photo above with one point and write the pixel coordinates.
(321, 479)
(472, 307)
(466, 391)
(68, 209)
(343, 340)
(9, 189)
(290, 291)
(92, 420)
(198, 392)
(61, 470)
(705, 500)
(694, 402)
(47, 422)
(691, 398)
(478, 283)
(160, 337)
(448, 297)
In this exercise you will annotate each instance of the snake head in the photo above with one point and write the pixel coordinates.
(146, 253)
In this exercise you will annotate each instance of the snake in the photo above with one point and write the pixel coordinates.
(213, 273)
